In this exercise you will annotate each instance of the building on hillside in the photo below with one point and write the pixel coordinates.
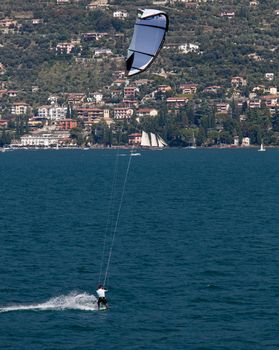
(67, 124)
(238, 82)
(121, 113)
(76, 99)
(134, 139)
(120, 14)
(254, 103)
(269, 76)
(100, 52)
(227, 14)
(20, 108)
(67, 47)
(272, 90)
(42, 140)
(164, 88)
(245, 142)
(189, 47)
(222, 108)
(213, 89)
(93, 36)
(189, 88)
(176, 102)
(89, 113)
(147, 112)
(98, 4)
(52, 112)
(130, 91)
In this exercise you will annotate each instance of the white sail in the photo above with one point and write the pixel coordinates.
(262, 149)
(145, 141)
(161, 142)
(154, 142)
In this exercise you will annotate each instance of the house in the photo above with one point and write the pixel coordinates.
(227, 14)
(66, 47)
(37, 21)
(76, 99)
(254, 3)
(271, 100)
(134, 139)
(20, 108)
(188, 89)
(245, 142)
(98, 97)
(8, 23)
(164, 88)
(39, 140)
(130, 103)
(189, 47)
(3, 123)
(93, 36)
(130, 91)
(98, 4)
(52, 112)
(147, 112)
(122, 113)
(63, 2)
(222, 108)
(177, 102)
(102, 52)
(238, 82)
(269, 76)
(3, 93)
(120, 14)
(90, 113)
(236, 141)
(119, 82)
(141, 82)
(212, 89)
(12, 93)
(272, 90)
(255, 103)
(67, 124)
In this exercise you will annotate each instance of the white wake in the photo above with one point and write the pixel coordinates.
(72, 301)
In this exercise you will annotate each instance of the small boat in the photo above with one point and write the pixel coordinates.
(135, 154)
(262, 149)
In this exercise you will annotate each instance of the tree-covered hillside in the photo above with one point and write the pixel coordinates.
(59, 47)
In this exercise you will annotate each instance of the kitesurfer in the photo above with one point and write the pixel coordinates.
(101, 292)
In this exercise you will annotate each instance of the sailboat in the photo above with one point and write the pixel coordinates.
(262, 149)
(152, 141)
(193, 143)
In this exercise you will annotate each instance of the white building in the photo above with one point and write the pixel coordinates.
(245, 142)
(120, 14)
(186, 48)
(20, 108)
(269, 76)
(39, 140)
(52, 112)
(102, 52)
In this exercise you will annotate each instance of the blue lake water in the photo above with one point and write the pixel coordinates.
(195, 262)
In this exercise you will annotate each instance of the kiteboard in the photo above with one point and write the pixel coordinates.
(103, 308)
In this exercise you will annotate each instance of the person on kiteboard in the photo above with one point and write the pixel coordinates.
(101, 292)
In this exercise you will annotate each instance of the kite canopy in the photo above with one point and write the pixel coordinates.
(148, 38)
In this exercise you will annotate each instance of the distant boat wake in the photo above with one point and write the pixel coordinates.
(72, 301)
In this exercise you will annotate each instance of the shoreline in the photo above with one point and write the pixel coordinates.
(4, 149)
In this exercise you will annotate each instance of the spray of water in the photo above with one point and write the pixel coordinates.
(72, 301)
